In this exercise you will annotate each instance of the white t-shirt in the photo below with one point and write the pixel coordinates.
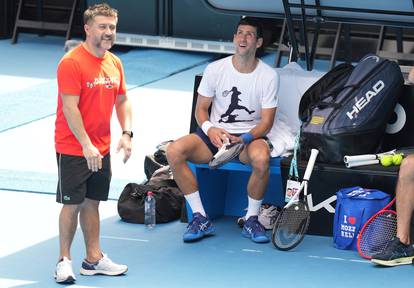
(238, 97)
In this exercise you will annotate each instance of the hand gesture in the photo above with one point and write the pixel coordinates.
(93, 157)
(126, 145)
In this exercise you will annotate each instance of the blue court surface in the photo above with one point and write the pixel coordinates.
(161, 95)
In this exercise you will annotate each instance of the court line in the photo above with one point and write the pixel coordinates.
(338, 259)
(125, 238)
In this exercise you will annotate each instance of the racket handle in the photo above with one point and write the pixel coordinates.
(357, 158)
(361, 163)
(311, 163)
(366, 157)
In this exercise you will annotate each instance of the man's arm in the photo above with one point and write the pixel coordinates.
(217, 135)
(124, 114)
(262, 128)
(265, 124)
(74, 118)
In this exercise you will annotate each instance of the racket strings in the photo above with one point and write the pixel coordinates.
(378, 233)
(291, 226)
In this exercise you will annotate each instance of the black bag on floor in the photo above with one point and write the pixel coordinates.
(349, 116)
(168, 198)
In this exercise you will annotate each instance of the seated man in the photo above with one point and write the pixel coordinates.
(400, 249)
(242, 90)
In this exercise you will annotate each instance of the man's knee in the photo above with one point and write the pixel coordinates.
(175, 153)
(89, 204)
(260, 162)
(407, 167)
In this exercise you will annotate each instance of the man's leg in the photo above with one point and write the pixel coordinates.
(190, 148)
(90, 224)
(68, 222)
(257, 154)
(405, 199)
(399, 250)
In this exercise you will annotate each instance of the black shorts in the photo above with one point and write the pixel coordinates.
(200, 133)
(77, 182)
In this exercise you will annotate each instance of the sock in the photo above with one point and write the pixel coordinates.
(194, 201)
(253, 208)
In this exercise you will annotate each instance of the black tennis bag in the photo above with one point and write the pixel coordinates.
(169, 199)
(348, 116)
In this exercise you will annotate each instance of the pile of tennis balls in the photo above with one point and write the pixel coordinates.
(388, 160)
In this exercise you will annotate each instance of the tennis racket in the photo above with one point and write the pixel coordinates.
(226, 153)
(293, 221)
(377, 232)
(369, 159)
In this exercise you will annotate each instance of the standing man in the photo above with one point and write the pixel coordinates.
(91, 82)
(242, 91)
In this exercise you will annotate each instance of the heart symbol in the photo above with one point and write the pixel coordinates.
(352, 220)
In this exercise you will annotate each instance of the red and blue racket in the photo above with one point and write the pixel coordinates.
(377, 232)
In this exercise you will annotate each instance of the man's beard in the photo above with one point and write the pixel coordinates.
(99, 45)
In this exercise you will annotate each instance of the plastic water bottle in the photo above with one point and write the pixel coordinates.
(149, 210)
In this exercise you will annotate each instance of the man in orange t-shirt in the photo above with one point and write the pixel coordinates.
(90, 83)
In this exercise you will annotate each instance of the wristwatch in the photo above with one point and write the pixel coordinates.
(129, 133)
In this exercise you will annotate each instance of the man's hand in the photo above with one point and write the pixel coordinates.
(235, 139)
(218, 136)
(93, 157)
(125, 143)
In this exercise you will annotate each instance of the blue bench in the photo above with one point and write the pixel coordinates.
(223, 191)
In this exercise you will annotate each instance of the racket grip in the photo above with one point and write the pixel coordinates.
(311, 163)
(356, 158)
(361, 163)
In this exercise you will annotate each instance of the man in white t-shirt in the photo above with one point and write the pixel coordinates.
(242, 92)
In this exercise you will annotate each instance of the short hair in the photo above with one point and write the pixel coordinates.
(252, 22)
(99, 10)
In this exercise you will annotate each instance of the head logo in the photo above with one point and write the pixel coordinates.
(364, 101)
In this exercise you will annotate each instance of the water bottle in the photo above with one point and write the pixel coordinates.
(149, 210)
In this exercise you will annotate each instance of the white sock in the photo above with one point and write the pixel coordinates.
(254, 207)
(194, 201)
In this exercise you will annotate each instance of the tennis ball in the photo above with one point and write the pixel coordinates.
(396, 159)
(386, 160)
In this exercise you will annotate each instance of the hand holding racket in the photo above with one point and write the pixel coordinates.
(293, 221)
(226, 153)
(377, 232)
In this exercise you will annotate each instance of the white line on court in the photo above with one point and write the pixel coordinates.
(360, 261)
(252, 250)
(4, 282)
(125, 238)
(338, 259)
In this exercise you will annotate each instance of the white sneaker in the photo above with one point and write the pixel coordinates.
(64, 272)
(104, 266)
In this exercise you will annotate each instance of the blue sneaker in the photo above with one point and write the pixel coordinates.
(199, 227)
(254, 230)
(395, 253)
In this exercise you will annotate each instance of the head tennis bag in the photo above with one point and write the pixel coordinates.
(354, 207)
(350, 115)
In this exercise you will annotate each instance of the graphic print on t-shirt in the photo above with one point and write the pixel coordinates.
(228, 117)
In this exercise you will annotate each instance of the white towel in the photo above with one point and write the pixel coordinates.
(294, 81)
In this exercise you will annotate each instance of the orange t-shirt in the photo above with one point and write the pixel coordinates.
(97, 82)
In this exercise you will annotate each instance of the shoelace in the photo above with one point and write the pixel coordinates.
(256, 227)
(195, 224)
